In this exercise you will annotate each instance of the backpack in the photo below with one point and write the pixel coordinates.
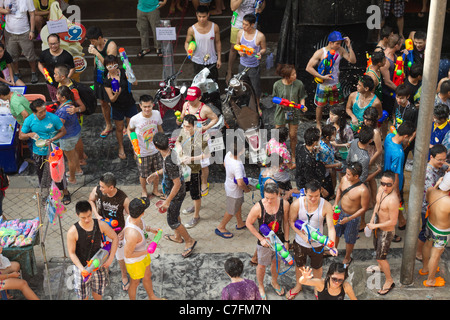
(4, 182)
(87, 95)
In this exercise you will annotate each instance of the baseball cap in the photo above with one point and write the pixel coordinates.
(193, 93)
(445, 183)
(335, 36)
(138, 205)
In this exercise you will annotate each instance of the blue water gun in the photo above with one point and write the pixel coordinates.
(326, 65)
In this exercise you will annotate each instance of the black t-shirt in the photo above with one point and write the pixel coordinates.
(171, 172)
(50, 61)
(409, 113)
(413, 89)
(307, 167)
(125, 99)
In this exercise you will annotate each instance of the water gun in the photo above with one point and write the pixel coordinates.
(115, 85)
(250, 181)
(300, 194)
(127, 66)
(393, 130)
(56, 199)
(315, 235)
(399, 72)
(113, 224)
(96, 262)
(178, 115)
(369, 60)
(152, 246)
(135, 143)
(399, 120)
(410, 47)
(326, 65)
(56, 160)
(52, 107)
(247, 50)
(336, 214)
(276, 244)
(47, 76)
(384, 116)
(287, 103)
(401, 207)
(191, 49)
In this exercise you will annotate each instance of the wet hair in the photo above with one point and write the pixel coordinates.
(283, 134)
(420, 35)
(312, 185)
(407, 128)
(365, 134)
(437, 149)
(355, 168)
(441, 111)
(110, 59)
(234, 267)
(403, 91)
(4, 89)
(328, 130)
(145, 98)
(37, 104)
(190, 118)
(339, 110)
(416, 70)
(65, 92)
(109, 179)
(250, 18)
(367, 82)
(271, 188)
(388, 174)
(311, 135)
(54, 35)
(393, 40)
(385, 32)
(371, 114)
(285, 70)
(378, 57)
(161, 141)
(94, 32)
(82, 206)
(202, 9)
(63, 69)
(335, 267)
(445, 87)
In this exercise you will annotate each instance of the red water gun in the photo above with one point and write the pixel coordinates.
(399, 72)
(47, 76)
(287, 103)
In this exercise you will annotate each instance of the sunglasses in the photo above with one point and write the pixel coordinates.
(337, 280)
(386, 184)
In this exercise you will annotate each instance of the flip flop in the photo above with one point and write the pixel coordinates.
(67, 199)
(279, 291)
(142, 53)
(426, 273)
(292, 295)
(124, 285)
(241, 228)
(161, 196)
(187, 252)
(440, 282)
(104, 133)
(346, 265)
(205, 192)
(167, 237)
(222, 234)
(387, 290)
(159, 53)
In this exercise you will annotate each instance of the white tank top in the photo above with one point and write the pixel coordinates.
(335, 72)
(142, 245)
(315, 219)
(205, 45)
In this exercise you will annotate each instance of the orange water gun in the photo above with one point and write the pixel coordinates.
(47, 76)
(247, 50)
(135, 143)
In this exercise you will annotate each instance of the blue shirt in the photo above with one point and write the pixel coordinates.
(70, 121)
(394, 158)
(46, 128)
(147, 5)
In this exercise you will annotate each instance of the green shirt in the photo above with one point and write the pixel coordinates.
(17, 104)
(147, 5)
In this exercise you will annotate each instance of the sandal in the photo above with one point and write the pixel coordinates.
(292, 295)
(142, 53)
(105, 133)
(187, 252)
(167, 237)
(279, 291)
(67, 199)
(159, 53)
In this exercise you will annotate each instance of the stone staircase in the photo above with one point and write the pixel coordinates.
(118, 23)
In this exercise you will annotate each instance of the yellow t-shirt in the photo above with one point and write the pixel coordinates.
(37, 5)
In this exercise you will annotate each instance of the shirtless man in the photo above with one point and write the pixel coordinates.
(312, 209)
(354, 197)
(383, 221)
(437, 230)
(203, 112)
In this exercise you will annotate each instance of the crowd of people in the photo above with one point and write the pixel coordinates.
(355, 159)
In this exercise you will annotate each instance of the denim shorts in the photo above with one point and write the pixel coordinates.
(69, 144)
(349, 230)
